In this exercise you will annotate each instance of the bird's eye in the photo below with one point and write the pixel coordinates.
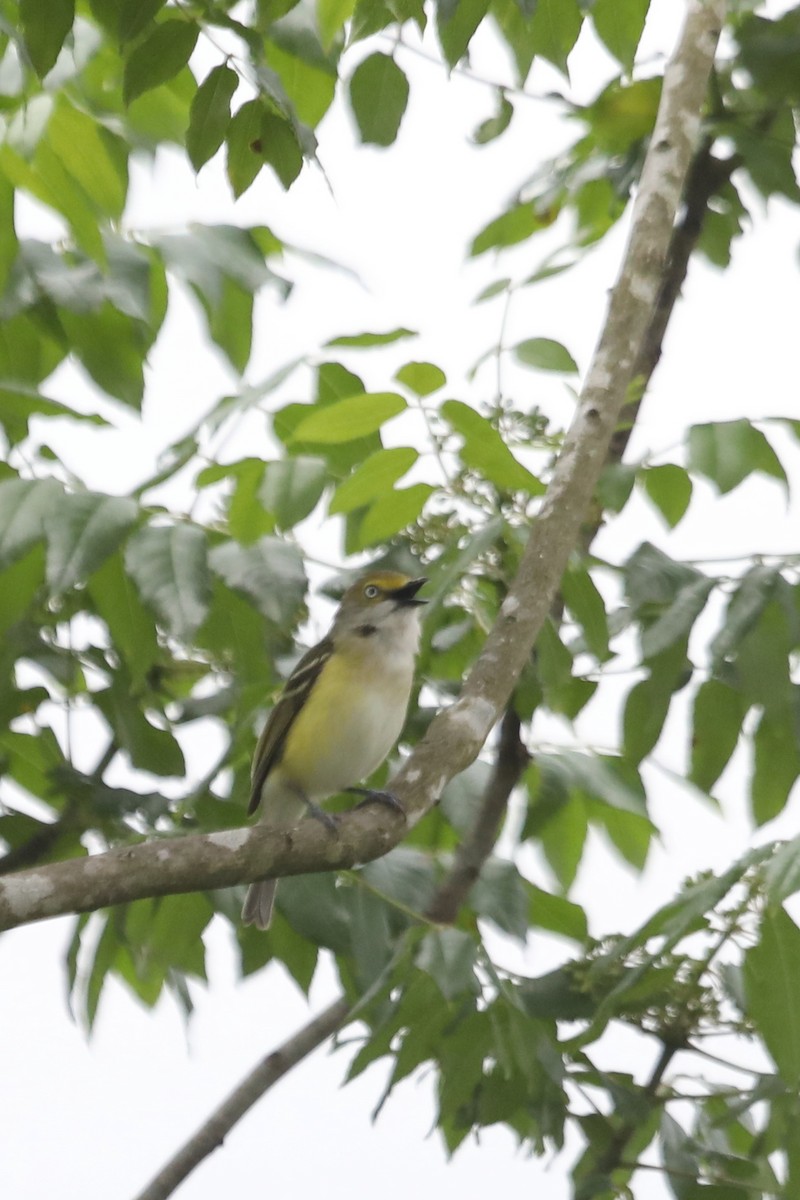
(371, 591)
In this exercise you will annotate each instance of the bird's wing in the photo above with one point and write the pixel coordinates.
(280, 720)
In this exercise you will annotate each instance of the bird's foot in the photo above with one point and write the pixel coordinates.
(373, 796)
(319, 814)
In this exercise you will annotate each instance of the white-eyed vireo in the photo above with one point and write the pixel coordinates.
(340, 713)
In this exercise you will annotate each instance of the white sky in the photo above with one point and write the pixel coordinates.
(98, 1118)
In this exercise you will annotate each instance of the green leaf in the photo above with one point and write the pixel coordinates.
(243, 160)
(545, 355)
(726, 452)
(391, 513)
(169, 565)
(131, 626)
(500, 894)
(752, 595)
(768, 160)
(95, 158)
(230, 323)
(348, 419)
(769, 54)
(772, 985)
(677, 621)
(716, 724)
(554, 669)
(210, 115)
(782, 872)
(556, 995)
(378, 95)
(148, 747)
(463, 797)
(498, 288)
(653, 578)
(366, 341)
(563, 838)
(422, 378)
(331, 18)
(31, 760)
(158, 58)
(278, 145)
(615, 486)
(455, 25)
(555, 28)
(681, 1161)
(292, 487)
(405, 875)
(208, 254)
(247, 519)
(556, 914)
(22, 583)
(371, 938)
(104, 953)
(9, 243)
(494, 127)
(270, 572)
(24, 505)
(670, 489)
(81, 533)
(648, 702)
(48, 181)
(619, 25)
(372, 479)
(307, 75)
(594, 777)
(134, 15)
(631, 835)
(762, 665)
(45, 28)
(485, 450)
(623, 114)
(587, 607)
(162, 115)
(776, 763)
(317, 909)
(448, 956)
(111, 347)
(511, 227)
(174, 939)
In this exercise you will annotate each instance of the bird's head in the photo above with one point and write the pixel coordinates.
(380, 602)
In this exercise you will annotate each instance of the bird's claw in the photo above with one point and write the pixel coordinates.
(319, 814)
(374, 796)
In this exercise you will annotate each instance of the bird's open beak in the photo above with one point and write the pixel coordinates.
(407, 594)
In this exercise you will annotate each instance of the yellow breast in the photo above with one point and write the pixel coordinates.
(349, 723)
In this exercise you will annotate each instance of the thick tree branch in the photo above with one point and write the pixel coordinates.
(273, 1067)
(706, 175)
(456, 735)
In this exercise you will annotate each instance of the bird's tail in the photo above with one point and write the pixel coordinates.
(258, 903)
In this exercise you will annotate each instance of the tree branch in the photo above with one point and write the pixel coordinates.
(705, 177)
(512, 758)
(273, 1067)
(456, 735)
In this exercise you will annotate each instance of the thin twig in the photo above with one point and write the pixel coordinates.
(273, 1067)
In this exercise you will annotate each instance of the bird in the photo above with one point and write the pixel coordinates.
(340, 713)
